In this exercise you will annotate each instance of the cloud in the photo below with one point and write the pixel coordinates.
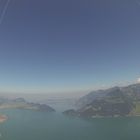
(138, 80)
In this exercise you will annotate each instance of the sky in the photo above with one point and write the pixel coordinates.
(68, 46)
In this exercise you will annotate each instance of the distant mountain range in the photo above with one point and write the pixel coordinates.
(60, 104)
(112, 102)
(21, 103)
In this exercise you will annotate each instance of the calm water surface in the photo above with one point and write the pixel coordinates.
(30, 125)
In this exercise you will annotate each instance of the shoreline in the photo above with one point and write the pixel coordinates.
(3, 118)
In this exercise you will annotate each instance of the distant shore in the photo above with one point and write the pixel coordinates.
(3, 118)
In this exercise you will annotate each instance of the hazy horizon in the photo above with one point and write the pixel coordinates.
(68, 47)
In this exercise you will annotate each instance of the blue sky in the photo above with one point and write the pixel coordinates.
(68, 45)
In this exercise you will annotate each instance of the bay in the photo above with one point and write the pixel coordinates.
(31, 125)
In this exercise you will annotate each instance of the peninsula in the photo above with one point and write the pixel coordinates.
(3, 118)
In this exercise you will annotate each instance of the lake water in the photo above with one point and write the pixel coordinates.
(30, 125)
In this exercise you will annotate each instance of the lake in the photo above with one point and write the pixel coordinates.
(31, 125)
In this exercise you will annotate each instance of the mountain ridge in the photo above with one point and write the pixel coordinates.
(115, 101)
(21, 103)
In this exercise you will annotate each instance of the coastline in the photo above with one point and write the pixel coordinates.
(3, 118)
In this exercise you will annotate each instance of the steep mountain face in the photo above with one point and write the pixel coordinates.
(116, 101)
(21, 103)
(131, 91)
